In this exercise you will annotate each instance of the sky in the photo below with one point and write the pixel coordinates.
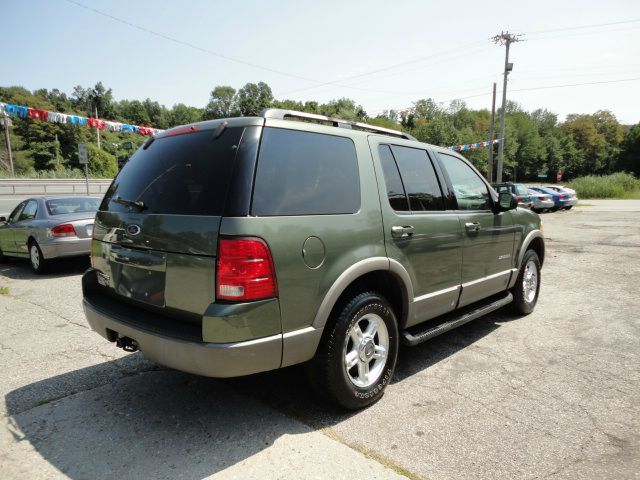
(384, 55)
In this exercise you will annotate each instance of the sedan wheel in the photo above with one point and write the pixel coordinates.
(38, 263)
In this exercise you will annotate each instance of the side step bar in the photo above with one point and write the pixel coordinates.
(421, 333)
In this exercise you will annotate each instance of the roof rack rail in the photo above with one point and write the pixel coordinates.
(282, 114)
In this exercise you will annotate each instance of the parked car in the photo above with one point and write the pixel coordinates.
(573, 196)
(241, 245)
(541, 201)
(518, 189)
(561, 200)
(43, 228)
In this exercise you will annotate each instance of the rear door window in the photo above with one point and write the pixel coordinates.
(419, 178)
(305, 173)
(29, 211)
(184, 174)
(395, 189)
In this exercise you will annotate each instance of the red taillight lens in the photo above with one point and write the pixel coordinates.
(519, 198)
(64, 230)
(245, 270)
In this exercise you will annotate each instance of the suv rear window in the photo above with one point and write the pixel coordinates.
(183, 174)
(305, 173)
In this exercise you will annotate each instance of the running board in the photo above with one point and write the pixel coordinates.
(421, 333)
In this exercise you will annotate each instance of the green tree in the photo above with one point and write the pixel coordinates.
(133, 112)
(629, 158)
(101, 164)
(223, 103)
(253, 98)
(181, 114)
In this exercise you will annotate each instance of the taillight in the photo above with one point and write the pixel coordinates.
(182, 131)
(64, 230)
(245, 270)
(519, 198)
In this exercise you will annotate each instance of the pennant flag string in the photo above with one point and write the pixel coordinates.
(20, 111)
(474, 146)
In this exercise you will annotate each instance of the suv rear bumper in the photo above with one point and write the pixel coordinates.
(201, 358)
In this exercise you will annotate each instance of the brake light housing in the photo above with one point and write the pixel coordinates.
(63, 230)
(245, 270)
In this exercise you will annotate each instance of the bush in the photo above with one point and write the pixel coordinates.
(616, 185)
(101, 163)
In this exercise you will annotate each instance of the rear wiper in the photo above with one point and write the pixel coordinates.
(130, 203)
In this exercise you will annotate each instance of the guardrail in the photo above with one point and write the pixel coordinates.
(51, 186)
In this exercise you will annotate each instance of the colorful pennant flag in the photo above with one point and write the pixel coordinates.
(20, 111)
(473, 146)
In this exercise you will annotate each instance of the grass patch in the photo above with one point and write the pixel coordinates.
(619, 185)
(5, 291)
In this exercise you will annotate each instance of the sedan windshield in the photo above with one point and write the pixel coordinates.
(60, 206)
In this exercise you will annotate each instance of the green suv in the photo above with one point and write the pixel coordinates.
(236, 246)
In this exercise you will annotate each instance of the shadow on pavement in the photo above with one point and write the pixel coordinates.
(20, 269)
(149, 424)
(287, 390)
(133, 419)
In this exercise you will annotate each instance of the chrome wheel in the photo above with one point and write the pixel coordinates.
(34, 254)
(530, 281)
(366, 350)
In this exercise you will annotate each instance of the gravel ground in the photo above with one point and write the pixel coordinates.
(555, 394)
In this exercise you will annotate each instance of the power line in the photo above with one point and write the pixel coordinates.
(545, 87)
(580, 27)
(382, 69)
(190, 45)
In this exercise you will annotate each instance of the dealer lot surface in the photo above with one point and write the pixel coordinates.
(555, 394)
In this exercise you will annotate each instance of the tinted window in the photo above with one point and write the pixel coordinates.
(183, 174)
(60, 206)
(29, 211)
(395, 190)
(520, 189)
(419, 178)
(303, 173)
(16, 213)
(471, 192)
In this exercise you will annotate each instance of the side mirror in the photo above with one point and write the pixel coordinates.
(3, 219)
(507, 201)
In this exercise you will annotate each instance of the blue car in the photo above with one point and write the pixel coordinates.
(560, 200)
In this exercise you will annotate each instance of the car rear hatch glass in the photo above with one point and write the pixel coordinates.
(156, 233)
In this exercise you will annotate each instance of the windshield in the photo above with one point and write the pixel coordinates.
(183, 174)
(60, 206)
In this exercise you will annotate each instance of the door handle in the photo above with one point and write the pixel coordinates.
(472, 226)
(398, 231)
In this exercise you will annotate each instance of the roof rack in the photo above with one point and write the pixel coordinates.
(281, 114)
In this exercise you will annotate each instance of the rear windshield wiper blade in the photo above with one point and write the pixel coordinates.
(130, 203)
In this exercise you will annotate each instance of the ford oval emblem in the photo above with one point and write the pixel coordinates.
(133, 230)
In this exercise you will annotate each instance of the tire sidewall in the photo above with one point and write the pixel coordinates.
(40, 268)
(349, 394)
(521, 303)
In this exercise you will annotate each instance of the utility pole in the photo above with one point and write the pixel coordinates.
(491, 134)
(506, 39)
(97, 129)
(6, 136)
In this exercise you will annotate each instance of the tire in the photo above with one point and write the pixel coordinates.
(364, 383)
(36, 259)
(569, 207)
(527, 288)
(3, 257)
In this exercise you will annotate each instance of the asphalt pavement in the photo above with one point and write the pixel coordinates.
(555, 394)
